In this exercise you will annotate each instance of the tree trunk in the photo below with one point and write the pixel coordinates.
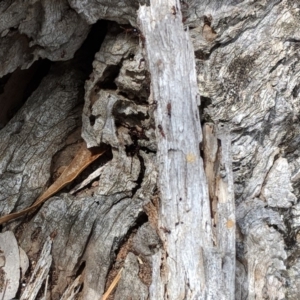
(188, 267)
(159, 141)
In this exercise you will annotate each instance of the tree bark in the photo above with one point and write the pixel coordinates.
(196, 196)
(189, 267)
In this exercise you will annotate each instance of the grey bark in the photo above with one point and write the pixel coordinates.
(190, 267)
(240, 233)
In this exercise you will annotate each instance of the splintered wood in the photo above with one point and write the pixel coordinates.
(184, 217)
(190, 266)
(40, 273)
(82, 160)
(112, 285)
(218, 170)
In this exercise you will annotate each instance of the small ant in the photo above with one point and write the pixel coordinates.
(134, 32)
(136, 131)
(174, 10)
(169, 108)
(143, 39)
(207, 20)
(161, 130)
(53, 234)
(131, 30)
(165, 230)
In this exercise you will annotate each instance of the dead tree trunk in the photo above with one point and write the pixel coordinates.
(196, 195)
(188, 267)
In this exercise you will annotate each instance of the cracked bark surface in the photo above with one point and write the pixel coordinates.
(94, 84)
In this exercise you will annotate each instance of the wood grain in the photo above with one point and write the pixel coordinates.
(82, 160)
(184, 215)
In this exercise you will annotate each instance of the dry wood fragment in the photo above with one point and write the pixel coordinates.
(83, 159)
(184, 209)
(112, 285)
(40, 272)
(72, 290)
(4, 291)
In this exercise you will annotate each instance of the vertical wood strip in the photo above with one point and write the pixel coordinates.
(184, 216)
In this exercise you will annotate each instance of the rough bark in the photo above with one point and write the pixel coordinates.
(119, 213)
(189, 267)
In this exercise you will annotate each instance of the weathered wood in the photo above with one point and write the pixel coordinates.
(218, 169)
(82, 160)
(35, 134)
(90, 227)
(190, 265)
(40, 273)
(73, 289)
(114, 10)
(30, 31)
(247, 63)
(9, 266)
(248, 77)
